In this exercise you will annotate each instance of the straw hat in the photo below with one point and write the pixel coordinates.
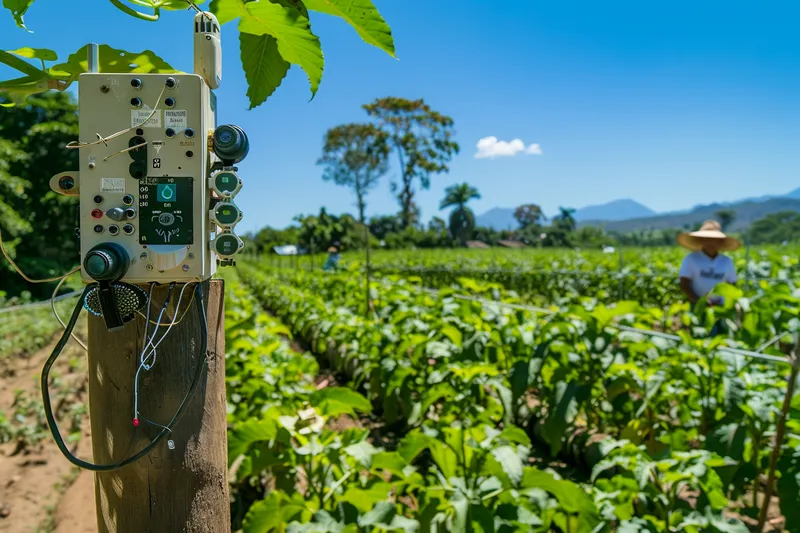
(709, 230)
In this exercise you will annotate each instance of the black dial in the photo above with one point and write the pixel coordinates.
(106, 262)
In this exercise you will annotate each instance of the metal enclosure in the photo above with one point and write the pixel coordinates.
(147, 189)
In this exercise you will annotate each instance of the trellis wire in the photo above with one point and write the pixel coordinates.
(630, 329)
(41, 303)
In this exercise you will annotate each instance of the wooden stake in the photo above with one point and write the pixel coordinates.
(779, 432)
(184, 489)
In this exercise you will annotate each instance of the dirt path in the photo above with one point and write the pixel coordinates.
(38, 491)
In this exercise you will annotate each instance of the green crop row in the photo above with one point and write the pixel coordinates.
(429, 363)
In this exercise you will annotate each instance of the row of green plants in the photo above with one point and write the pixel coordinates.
(625, 412)
(296, 467)
(26, 330)
(644, 275)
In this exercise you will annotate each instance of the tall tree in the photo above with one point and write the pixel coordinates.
(528, 215)
(423, 141)
(726, 217)
(355, 156)
(462, 219)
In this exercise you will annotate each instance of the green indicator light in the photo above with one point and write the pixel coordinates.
(227, 214)
(226, 182)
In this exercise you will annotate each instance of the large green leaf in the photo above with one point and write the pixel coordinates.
(112, 60)
(572, 498)
(361, 15)
(297, 44)
(35, 53)
(245, 434)
(567, 400)
(272, 513)
(335, 401)
(263, 66)
(18, 9)
(228, 10)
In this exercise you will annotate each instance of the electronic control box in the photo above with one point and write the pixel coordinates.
(148, 188)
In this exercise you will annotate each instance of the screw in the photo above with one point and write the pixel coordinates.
(143, 256)
(191, 256)
(186, 268)
(171, 444)
(149, 267)
(92, 164)
(104, 89)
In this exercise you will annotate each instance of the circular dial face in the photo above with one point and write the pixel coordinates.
(226, 244)
(226, 182)
(226, 214)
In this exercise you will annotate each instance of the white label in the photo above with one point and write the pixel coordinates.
(112, 184)
(158, 145)
(138, 116)
(175, 119)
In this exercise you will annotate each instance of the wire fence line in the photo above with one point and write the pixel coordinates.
(553, 272)
(40, 303)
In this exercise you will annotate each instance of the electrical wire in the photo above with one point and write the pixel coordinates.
(58, 317)
(21, 273)
(104, 140)
(185, 311)
(48, 408)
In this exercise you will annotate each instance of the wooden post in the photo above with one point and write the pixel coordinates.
(180, 490)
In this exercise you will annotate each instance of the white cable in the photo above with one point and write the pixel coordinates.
(144, 359)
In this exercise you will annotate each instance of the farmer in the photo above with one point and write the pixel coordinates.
(332, 262)
(705, 267)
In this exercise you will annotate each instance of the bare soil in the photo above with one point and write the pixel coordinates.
(40, 491)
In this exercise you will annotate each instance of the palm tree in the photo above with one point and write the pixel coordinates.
(565, 216)
(462, 220)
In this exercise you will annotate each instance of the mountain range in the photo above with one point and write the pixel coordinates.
(627, 215)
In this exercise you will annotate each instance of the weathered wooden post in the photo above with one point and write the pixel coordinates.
(181, 486)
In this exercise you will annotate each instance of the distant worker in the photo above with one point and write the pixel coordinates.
(706, 267)
(334, 257)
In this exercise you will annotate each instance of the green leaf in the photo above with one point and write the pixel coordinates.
(452, 333)
(245, 434)
(271, 513)
(18, 9)
(382, 513)
(361, 15)
(297, 44)
(568, 398)
(510, 461)
(263, 66)
(112, 60)
(228, 10)
(571, 497)
(335, 401)
(35, 53)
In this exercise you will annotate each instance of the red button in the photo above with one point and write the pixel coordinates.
(96, 213)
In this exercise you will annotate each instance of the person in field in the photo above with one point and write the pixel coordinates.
(706, 266)
(332, 263)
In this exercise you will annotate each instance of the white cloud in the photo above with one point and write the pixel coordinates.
(493, 147)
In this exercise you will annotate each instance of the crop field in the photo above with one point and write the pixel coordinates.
(455, 402)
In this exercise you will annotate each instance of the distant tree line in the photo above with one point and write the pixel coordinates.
(38, 225)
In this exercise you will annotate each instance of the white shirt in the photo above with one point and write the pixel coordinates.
(706, 272)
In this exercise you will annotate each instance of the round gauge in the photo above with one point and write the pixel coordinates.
(226, 183)
(227, 244)
(227, 214)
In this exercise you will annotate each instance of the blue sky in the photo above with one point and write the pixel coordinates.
(671, 104)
